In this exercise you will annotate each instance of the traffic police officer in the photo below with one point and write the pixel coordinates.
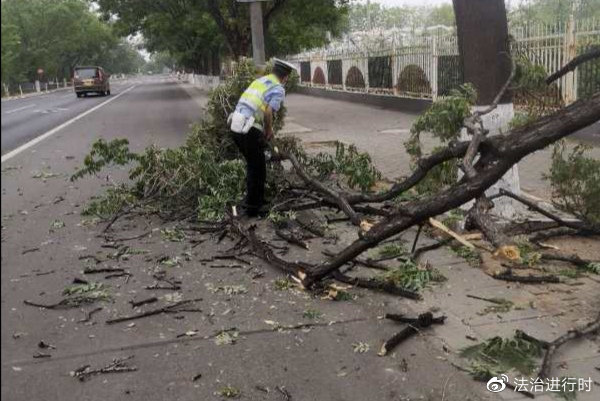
(252, 123)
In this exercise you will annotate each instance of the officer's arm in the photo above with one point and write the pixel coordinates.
(268, 123)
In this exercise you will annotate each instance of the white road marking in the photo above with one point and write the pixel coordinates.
(54, 130)
(19, 109)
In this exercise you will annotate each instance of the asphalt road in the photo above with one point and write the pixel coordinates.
(176, 355)
(40, 259)
(25, 119)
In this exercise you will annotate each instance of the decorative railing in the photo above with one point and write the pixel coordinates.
(426, 64)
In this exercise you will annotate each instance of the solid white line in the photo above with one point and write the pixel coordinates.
(54, 130)
(19, 109)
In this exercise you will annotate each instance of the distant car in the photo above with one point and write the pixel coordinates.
(91, 80)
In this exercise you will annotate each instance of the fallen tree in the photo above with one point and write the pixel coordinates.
(201, 180)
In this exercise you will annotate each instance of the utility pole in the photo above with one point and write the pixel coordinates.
(258, 38)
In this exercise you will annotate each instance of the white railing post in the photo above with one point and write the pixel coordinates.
(434, 68)
(366, 73)
(570, 52)
(20, 90)
(37, 86)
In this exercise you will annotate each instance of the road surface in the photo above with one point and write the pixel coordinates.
(176, 355)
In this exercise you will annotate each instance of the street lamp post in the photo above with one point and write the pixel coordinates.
(258, 39)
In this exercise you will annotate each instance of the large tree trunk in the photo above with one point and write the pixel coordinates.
(484, 47)
(499, 154)
(486, 63)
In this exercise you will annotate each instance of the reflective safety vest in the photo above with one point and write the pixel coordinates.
(254, 96)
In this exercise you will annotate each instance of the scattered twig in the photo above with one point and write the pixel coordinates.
(286, 394)
(414, 245)
(88, 315)
(417, 252)
(590, 328)
(531, 279)
(574, 259)
(175, 308)
(26, 251)
(135, 304)
(92, 270)
(415, 325)
(121, 274)
(45, 273)
(92, 257)
(292, 239)
(524, 336)
(118, 365)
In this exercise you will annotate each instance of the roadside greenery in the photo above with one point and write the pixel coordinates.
(56, 36)
(575, 180)
(198, 34)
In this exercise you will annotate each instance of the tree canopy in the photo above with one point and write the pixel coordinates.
(552, 11)
(197, 32)
(57, 35)
(366, 16)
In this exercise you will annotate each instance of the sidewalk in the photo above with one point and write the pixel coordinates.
(544, 311)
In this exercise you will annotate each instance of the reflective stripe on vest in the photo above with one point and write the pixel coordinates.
(254, 96)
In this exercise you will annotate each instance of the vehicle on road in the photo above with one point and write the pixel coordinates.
(91, 79)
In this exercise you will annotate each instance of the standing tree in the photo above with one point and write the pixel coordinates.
(487, 64)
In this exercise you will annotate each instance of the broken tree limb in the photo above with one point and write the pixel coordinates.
(590, 328)
(571, 65)
(442, 227)
(414, 321)
(573, 259)
(118, 365)
(423, 321)
(479, 213)
(92, 270)
(375, 284)
(265, 252)
(135, 304)
(175, 308)
(419, 251)
(320, 187)
(522, 335)
(292, 239)
(88, 315)
(531, 279)
(576, 225)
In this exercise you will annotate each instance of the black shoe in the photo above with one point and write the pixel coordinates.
(256, 213)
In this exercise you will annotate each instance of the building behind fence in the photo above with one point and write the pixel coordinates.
(426, 64)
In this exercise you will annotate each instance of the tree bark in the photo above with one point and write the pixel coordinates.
(506, 150)
(481, 50)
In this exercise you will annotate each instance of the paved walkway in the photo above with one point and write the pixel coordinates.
(545, 311)
(383, 132)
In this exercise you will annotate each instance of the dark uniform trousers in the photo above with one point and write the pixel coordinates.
(252, 146)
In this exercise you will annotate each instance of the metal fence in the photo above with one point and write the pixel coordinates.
(426, 64)
(25, 88)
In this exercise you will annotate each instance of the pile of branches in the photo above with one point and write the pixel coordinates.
(203, 179)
